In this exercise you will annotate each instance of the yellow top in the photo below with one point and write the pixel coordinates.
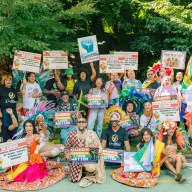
(70, 85)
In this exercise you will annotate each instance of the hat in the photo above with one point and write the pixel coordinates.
(114, 116)
(64, 93)
(68, 71)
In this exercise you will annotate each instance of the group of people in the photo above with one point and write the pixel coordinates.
(67, 94)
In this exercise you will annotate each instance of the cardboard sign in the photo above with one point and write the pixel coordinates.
(166, 111)
(55, 60)
(26, 61)
(84, 155)
(13, 153)
(173, 59)
(112, 64)
(131, 59)
(88, 49)
(113, 156)
(166, 98)
(65, 119)
(97, 100)
(131, 165)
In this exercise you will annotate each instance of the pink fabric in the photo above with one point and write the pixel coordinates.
(33, 173)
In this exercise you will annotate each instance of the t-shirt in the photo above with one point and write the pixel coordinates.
(115, 140)
(8, 97)
(28, 101)
(152, 85)
(85, 86)
(70, 86)
(69, 107)
(131, 83)
(114, 94)
(144, 121)
(51, 85)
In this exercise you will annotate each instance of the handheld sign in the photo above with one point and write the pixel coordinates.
(113, 156)
(84, 155)
(97, 100)
(173, 59)
(88, 49)
(13, 153)
(55, 60)
(26, 61)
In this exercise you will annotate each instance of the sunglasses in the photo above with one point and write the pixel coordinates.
(81, 122)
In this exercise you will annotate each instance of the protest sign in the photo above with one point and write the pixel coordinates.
(166, 111)
(131, 59)
(88, 49)
(131, 165)
(13, 153)
(84, 155)
(165, 98)
(55, 60)
(173, 59)
(113, 156)
(97, 100)
(26, 61)
(188, 97)
(112, 64)
(65, 119)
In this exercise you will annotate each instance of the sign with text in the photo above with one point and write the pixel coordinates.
(88, 49)
(13, 153)
(26, 61)
(131, 165)
(131, 59)
(173, 59)
(97, 100)
(165, 98)
(84, 155)
(113, 156)
(112, 64)
(188, 96)
(55, 60)
(166, 111)
(65, 119)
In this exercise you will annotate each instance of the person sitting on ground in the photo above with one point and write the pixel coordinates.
(115, 137)
(94, 173)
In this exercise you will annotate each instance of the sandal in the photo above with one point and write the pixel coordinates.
(183, 179)
(178, 177)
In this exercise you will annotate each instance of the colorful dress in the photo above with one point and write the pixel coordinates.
(32, 175)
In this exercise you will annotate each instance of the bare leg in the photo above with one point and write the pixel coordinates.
(178, 164)
(170, 167)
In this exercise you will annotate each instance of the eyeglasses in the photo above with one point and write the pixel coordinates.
(149, 73)
(81, 122)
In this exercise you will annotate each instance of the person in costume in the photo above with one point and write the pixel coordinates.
(31, 92)
(113, 87)
(54, 86)
(97, 113)
(130, 113)
(82, 87)
(66, 105)
(172, 137)
(131, 81)
(8, 99)
(147, 119)
(45, 149)
(32, 175)
(115, 137)
(68, 75)
(155, 150)
(150, 82)
(94, 173)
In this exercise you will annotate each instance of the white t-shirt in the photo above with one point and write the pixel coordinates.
(28, 101)
(144, 121)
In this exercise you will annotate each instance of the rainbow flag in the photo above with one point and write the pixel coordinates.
(145, 155)
(187, 76)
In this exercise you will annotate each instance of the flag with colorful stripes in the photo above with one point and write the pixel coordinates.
(187, 77)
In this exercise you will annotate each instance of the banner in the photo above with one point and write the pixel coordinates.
(166, 111)
(88, 49)
(131, 59)
(65, 119)
(97, 100)
(112, 64)
(173, 59)
(188, 98)
(55, 60)
(131, 165)
(84, 155)
(26, 61)
(113, 156)
(13, 153)
(165, 98)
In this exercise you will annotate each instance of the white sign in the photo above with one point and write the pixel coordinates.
(26, 61)
(131, 59)
(166, 111)
(55, 60)
(13, 153)
(112, 64)
(88, 49)
(173, 59)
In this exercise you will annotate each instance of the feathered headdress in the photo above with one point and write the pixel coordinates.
(45, 108)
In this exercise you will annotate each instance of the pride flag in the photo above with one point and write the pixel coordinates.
(188, 73)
